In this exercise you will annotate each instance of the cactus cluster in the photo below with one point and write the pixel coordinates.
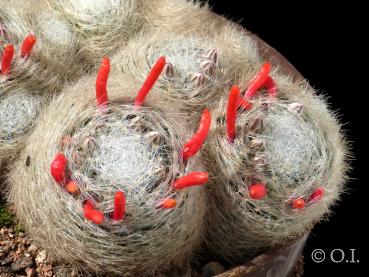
(191, 144)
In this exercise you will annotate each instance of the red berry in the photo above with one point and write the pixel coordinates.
(71, 187)
(298, 203)
(257, 190)
(58, 168)
(168, 203)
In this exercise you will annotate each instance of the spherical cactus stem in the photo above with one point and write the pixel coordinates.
(72, 187)
(101, 83)
(257, 191)
(256, 83)
(195, 143)
(298, 203)
(192, 179)
(231, 117)
(317, 194)
(58, 168)
(150, 81)
(6, 59)
(168, 203)
(27, 46)
(119, 206)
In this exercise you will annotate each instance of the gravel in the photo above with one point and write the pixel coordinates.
(19, 257)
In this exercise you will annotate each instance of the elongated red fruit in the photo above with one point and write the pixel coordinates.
(256, 83)
(101, 83)
(195, 143)
(233, 98)
(58, 168)
(91, 214)
(192, 179)
(168, 203)
(150, 81)
(89, 204)
(6, 59)
(317, 194)
(119, 206)
(27, 46)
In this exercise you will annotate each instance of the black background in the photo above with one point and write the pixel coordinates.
(326, 44)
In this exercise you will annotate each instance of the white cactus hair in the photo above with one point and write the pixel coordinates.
(293, 152)
(154, 236)
(102, 26)
(18, 111)
(180, 17)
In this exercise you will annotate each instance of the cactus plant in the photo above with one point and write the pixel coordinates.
(278, 169)
(197, 68)
(40, 69)
(102, 27)
(18, 111)
(117, 198)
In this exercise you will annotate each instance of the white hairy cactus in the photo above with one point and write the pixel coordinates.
(280, 175)
(181, 17)
(197, 68)
(46, 68)
(18, 111)
(101, 26)
(115, 148)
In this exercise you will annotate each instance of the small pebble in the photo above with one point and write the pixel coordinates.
(3, 232)
(4, 249)
(21, 264)
(32, 248)
(6, 261)
(212, 269)
(6, 272)
(47, 268)
(41, 257)
(31, 272)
